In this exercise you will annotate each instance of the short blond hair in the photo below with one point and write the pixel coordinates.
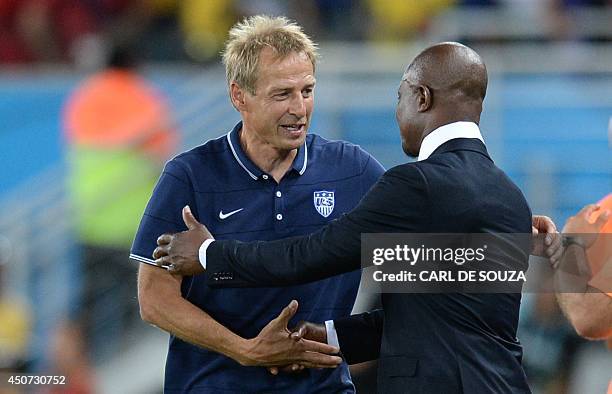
(247, 39)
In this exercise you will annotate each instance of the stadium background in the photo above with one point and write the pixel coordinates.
(547, 122)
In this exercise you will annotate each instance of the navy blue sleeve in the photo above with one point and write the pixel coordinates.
(163, 212)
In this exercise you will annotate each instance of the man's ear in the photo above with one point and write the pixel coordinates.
(425, 98)
(237, 96)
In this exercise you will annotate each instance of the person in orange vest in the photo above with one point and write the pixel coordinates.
(584, 278)
(119, 133)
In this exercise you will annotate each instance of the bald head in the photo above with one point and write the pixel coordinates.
(453, 69)
(445, 83)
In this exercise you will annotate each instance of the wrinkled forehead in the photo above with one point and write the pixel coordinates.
(270, 57)
(295, 66)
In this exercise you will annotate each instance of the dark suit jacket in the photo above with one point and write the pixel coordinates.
(427, 343)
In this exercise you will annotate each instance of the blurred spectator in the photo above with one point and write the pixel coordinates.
(69, 358)
(41, 30)
(265, 7)
(79, 31)
(163, 40)
(560, 16)
(584, 279)
(15, 322)
(118, 130)
(600, 252)
(67, 30)
(116, 21)
(401, 19)
(204, 25)
(12, 45)
(584, 290)
(340, 19)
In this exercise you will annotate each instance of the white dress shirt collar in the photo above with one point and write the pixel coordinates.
(443, 134)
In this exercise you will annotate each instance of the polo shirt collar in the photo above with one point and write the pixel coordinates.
(233, 138)
(445, 133)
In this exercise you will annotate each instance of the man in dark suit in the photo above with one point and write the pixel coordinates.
(427, 343)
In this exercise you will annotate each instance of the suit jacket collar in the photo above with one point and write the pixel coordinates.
(448, 132)
(464, 144)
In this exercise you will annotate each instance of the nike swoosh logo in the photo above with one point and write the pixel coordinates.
(226, 215)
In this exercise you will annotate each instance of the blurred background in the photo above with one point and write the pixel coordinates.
(95, 95)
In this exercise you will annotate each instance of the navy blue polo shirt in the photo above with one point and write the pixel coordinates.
(237, 200)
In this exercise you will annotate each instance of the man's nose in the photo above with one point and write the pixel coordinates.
(297, 106)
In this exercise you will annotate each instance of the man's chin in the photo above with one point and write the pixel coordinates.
(413, 153)
(294, 142)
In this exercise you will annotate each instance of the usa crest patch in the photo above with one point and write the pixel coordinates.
(324, 202)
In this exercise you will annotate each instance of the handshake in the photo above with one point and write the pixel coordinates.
(275, 347)
(280, 349)
(305, 346)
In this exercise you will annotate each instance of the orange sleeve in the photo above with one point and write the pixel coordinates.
(600, 253)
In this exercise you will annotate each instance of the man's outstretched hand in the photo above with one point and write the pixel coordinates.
(277, 346)
(179, 252)
(546, 239)
(303, 330)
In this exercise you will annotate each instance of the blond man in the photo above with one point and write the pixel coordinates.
(266, 179)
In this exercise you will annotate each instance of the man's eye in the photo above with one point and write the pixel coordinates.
(306, 92)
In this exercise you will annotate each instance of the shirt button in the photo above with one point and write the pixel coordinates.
(279, 194)
(264, 176)
(279, 217)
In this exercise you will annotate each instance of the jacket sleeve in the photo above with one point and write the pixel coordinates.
(360, 336)
(396, 203)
